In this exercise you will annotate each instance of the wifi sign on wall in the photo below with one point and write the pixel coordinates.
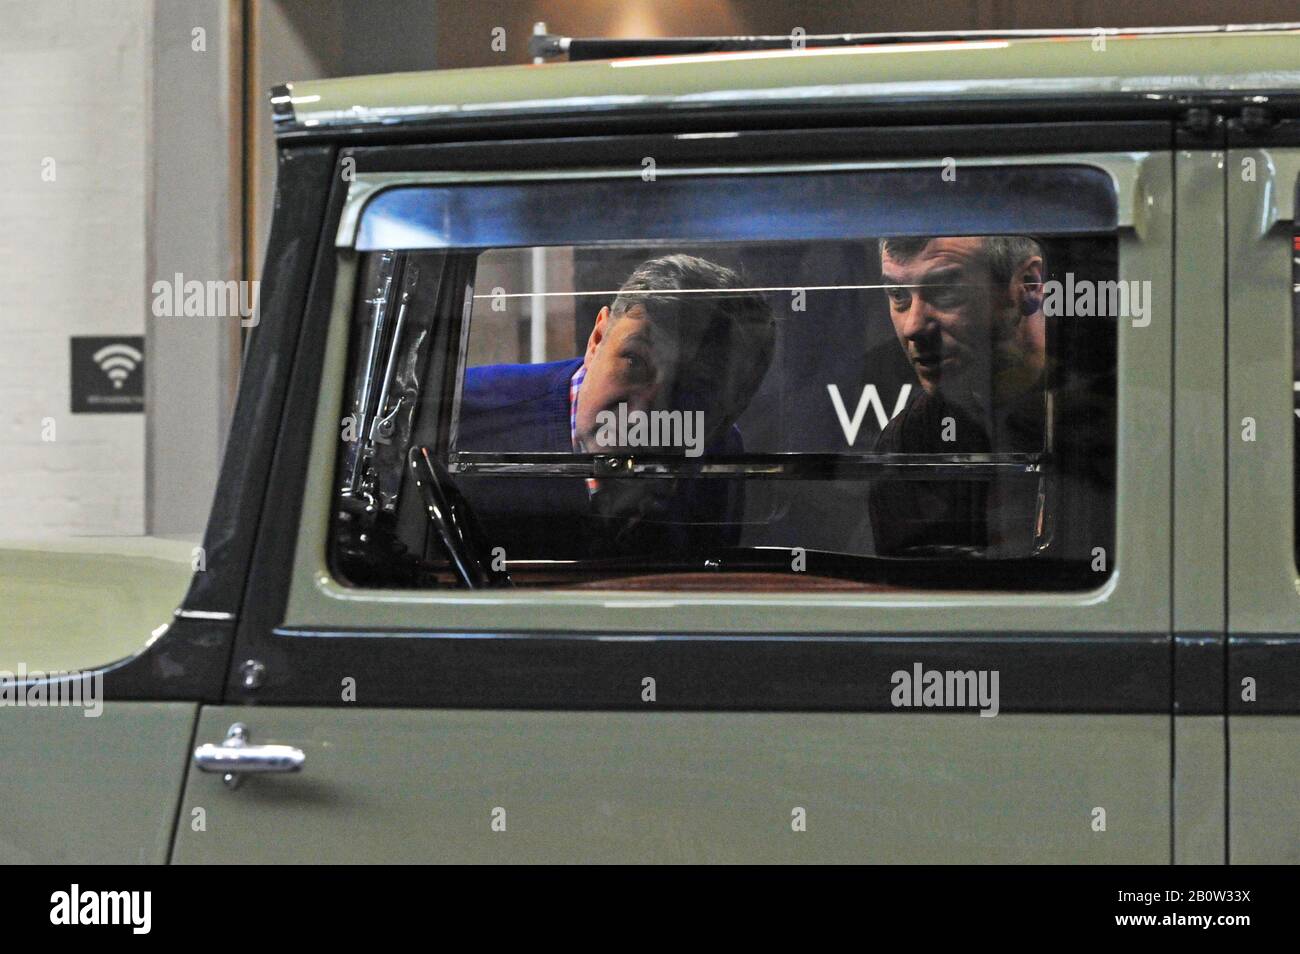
(108, 374)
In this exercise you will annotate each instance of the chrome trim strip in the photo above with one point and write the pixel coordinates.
(953, 92)
(203, 614)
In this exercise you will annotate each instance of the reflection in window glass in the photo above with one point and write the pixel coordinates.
(912, 411)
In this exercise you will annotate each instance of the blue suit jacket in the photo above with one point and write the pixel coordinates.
(524, 408)
(517, 408)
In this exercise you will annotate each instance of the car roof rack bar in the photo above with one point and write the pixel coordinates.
(550, 46)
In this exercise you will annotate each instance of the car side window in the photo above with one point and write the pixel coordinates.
(783, 383)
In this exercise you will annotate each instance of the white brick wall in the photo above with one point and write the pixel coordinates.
(75, 77)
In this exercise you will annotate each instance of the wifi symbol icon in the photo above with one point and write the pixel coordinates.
(107, 374)
(118, 361)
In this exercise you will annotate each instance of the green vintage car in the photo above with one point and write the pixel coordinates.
(785, 449)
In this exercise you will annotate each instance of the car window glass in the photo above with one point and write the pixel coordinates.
(832, 411)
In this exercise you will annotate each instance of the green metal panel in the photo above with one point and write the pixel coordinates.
(403, 785)
(82, 790)
(1199, 384)
(81, 603)
(989, 68)
(1264, 827)
(1200, 790)
(1200, 747)
(1124, 604)
(1263, 585)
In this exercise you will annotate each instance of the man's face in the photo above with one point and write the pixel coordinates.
(948, 315)
(649, 366)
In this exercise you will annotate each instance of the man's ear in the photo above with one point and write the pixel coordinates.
(598, 333)
(1028, 287)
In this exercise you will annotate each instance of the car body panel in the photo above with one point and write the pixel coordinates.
(83, 602)
(1158, 65)
(1263, 584)
(1200, 790)
(397, 785)
(1264, 820)
(80, 789)
(1199, 381)
(1199, 504)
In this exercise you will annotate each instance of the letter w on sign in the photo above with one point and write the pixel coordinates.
(870, 397)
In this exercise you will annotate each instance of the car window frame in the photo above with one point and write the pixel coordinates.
(1053, 658)
(317, 600)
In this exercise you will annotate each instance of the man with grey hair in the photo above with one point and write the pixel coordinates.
(967, 312)
(683, 334)
(684, 344)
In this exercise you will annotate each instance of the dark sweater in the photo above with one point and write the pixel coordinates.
(951, 516)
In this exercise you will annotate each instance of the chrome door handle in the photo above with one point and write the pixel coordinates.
(235, 757)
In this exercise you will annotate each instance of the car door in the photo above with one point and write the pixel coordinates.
(1263, 680)
(720, 721)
